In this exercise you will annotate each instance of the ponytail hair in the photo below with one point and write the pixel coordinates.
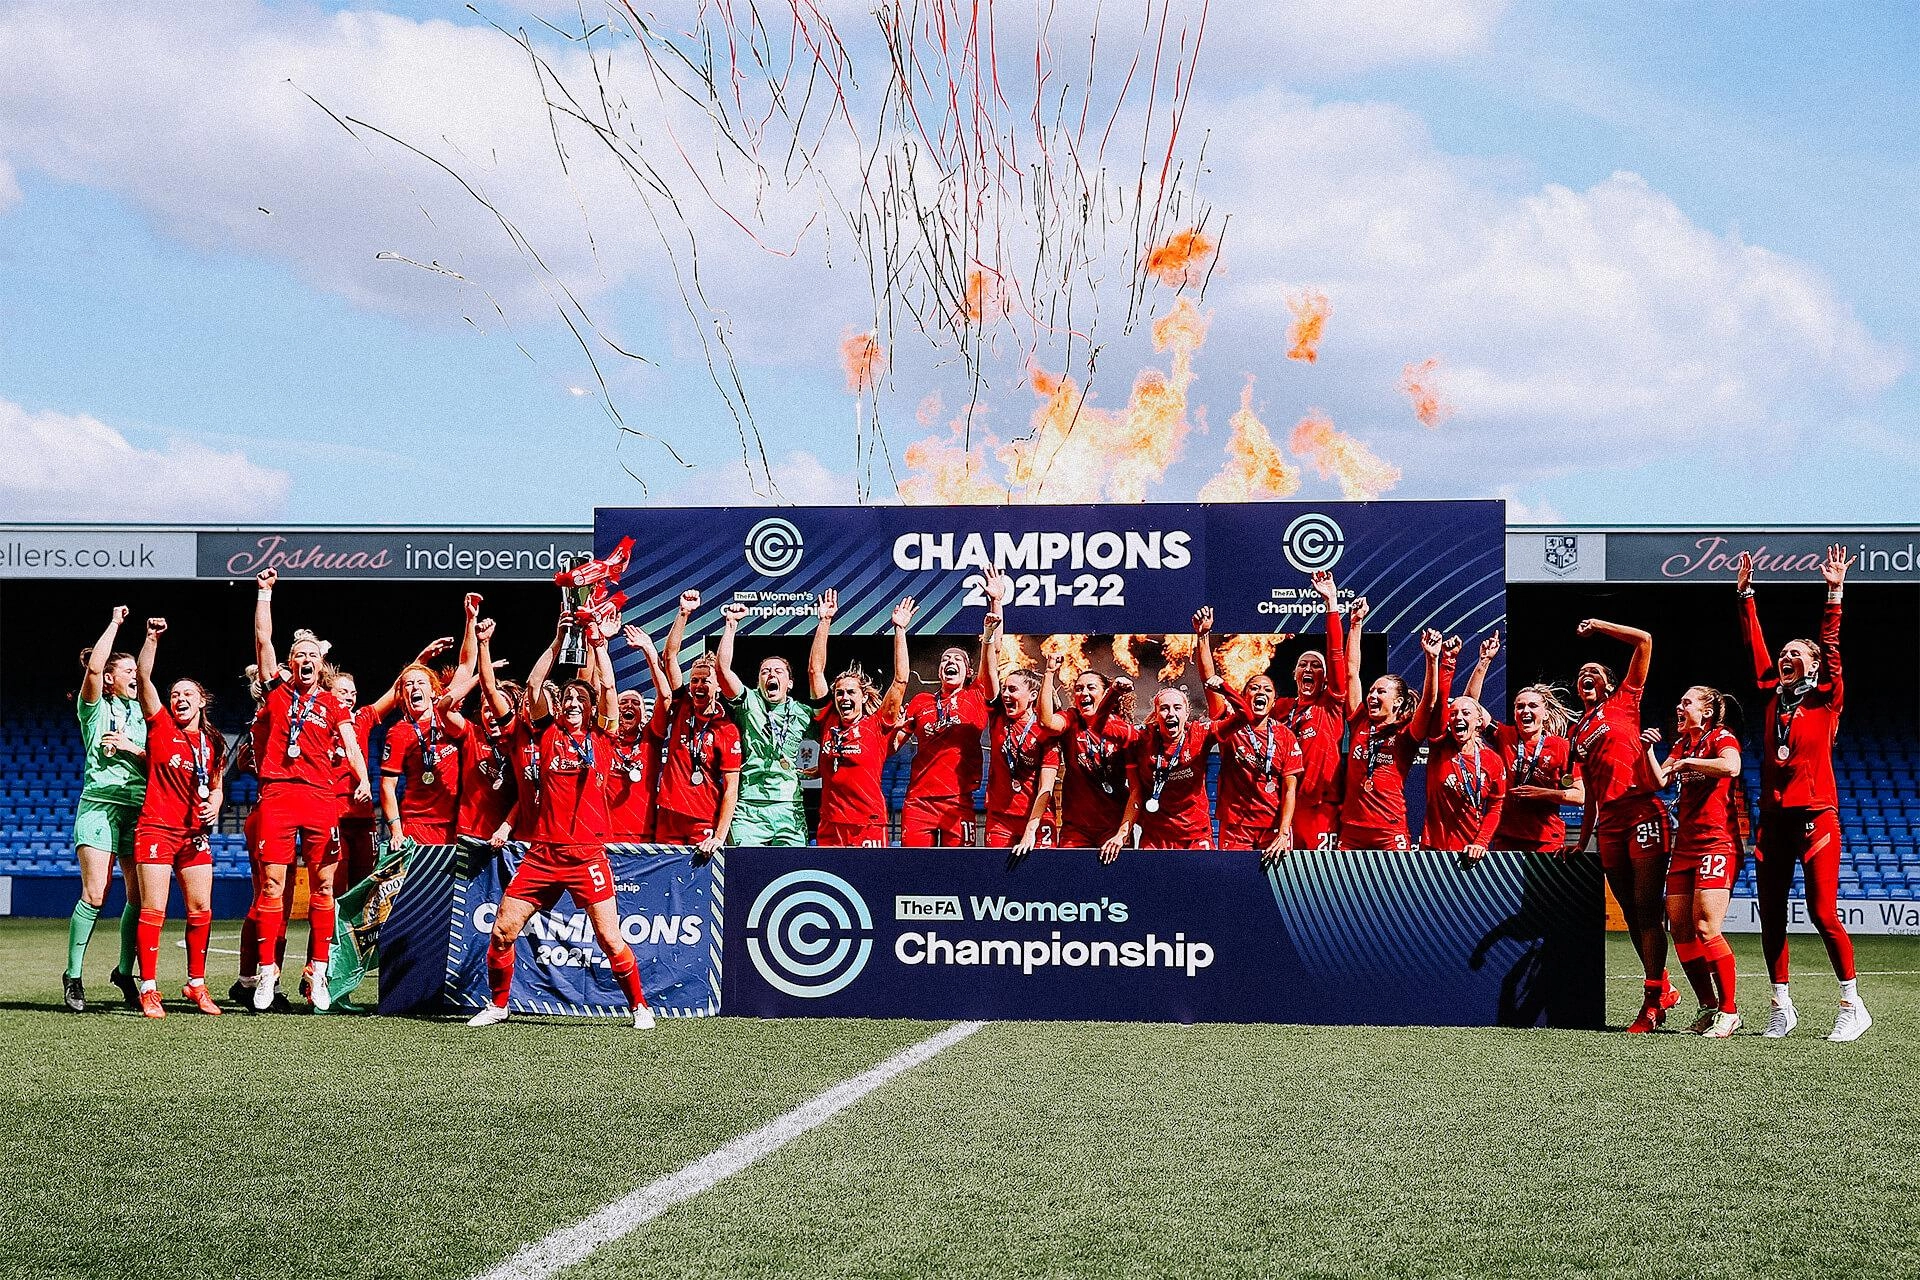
(1557, 715)
(1402, 700)
(1717, 703)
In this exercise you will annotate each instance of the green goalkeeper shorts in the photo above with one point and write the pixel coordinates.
(99, 824)
(768, 825)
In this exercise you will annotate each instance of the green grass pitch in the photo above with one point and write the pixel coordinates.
(337, 1146)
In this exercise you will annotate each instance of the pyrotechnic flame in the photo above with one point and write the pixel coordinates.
(1255, 468)
(1011, 654)
(1072, 650)
(981, 295)
(1123, 653)
(942, 470)
(1246, 656)
(1361, 473)
(862, 358)
(1182, 260)
(1418, 381)
(1175, 652)
(1310, 312)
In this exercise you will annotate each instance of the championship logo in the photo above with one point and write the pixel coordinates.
(774, 547)
(1313, 542)
(809, 934)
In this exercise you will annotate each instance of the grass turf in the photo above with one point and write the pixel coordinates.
(391, 1147)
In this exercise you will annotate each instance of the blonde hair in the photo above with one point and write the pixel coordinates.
(1556, 715)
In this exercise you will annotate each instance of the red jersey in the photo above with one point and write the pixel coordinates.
(1021, 749)
(851, 758)
(343, 780)
(183, 768)
(1545, 762)
(488, 785)
(1094, 759)
(1318, 723)
(631, 785)
(1252, 763)
(301, 732)
(1171, 777)
(425, 752)
(1606, 742)
(948, 728)
(570, 804)
(1703, 815)
(1378, 760)
(1465, 792)
(700, 750)
(1800, 724)
(523, 755)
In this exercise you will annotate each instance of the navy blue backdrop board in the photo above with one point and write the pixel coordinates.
(1097, 568)
(1331, 938)
(669, 913)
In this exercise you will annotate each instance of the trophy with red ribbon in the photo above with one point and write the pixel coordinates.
(591, 572)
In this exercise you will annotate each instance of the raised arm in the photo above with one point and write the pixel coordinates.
(1052, 719)
(1203, 658)
(1835, 572)
(1641, 641)
(1757, 652)
(539, 706)
(730, 615)
(1423, 712)
(490, 692)
(677, 635)
(96, 673)
(655, 668)
(817, 685)
(1356, 621)
(263, 624)
(150, 703)
(1337, 681)
(1477, 680)
(896, 694)
(600, 675)
(987, 678)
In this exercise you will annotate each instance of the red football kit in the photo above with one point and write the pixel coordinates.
(1094, 763)
(1170, 777)
(1533, 826)
(1253, 762)
(566, 849)
(1466, 789)
(1021, 749)
(853, 808)
(1318, 724)
(355, 826)
(1373, 811)
(631, 786)
(183, 768)
(488, 779)
(1799, 803)
(1706, 844)
(426, 754)
(946, 766)
(700, 751)
(1630, 821)
(297, 797)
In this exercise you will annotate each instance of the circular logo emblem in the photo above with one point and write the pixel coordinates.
(774, 547)
(809, 934)
(1313, 542)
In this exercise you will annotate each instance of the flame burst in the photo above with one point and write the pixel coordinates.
(941, 469)
(861, 357)
(1255, 468)
(1242, 658)
(1418, 381)
(1072, 650)
(1182, 260)
(1123, 653)
(981, 295)
(1361, 473)
(1011, 654)
(1175, 653)
(1310, 312)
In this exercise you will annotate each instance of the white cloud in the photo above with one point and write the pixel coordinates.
(1319, 38)
(73, 467)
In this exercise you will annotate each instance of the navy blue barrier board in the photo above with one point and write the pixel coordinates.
(1330, 938)
(53, 896)
(434, 945)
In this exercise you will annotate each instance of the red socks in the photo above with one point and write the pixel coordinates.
(1699, 970)
(500, 972)
(270, 920)
(320, 919)
(148, 938)
(249, 947)
(1719, 954)
(199, 927)
(627, 969)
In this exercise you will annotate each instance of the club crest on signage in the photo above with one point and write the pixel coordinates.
(1562, 552)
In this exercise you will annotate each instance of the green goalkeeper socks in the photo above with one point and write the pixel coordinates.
(79, 930)
(129, 940)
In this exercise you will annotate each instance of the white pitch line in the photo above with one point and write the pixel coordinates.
(569, 1245)
(1862, 973)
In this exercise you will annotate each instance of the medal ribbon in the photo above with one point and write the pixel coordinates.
(298, 716)
(1164, 765)
(1473, 786)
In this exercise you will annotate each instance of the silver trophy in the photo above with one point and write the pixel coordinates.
(573, 637)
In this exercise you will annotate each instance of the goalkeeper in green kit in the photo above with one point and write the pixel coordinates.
(773, 721)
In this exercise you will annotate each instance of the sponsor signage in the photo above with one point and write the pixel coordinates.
(95, 553)
(1165, 936)
(1859, 915)
(1713, 555)
(434, 945)
(413, 554)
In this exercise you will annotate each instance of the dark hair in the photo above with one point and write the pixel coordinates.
(1403, 700)
(213, 735)
(1607, 677)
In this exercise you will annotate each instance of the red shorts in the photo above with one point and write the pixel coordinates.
(679, 828)
(1083, 837)
(549, 870)
(1235, 836)
(166, 847)
(1004, 831)
(1545, 842)
(420, 831)
(949, 817)
(1635, 830)
(1801, 835)
(1316, 826)
(294, 814)
(852, 835)
(1714, 869)
(1171, 839)
(357, 852)
(1358, 837)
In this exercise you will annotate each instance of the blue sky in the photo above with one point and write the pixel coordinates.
(1663, 254)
